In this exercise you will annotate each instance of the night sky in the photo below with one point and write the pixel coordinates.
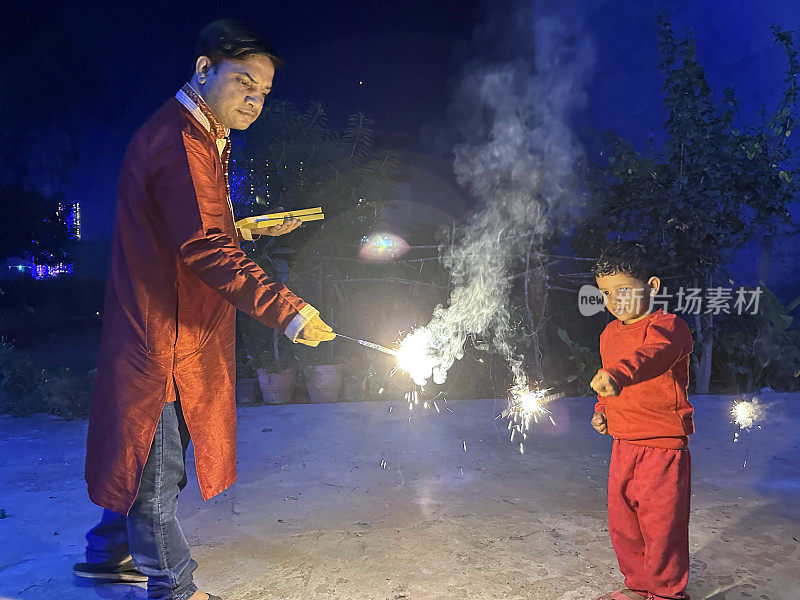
(79, 78)
(99, 70)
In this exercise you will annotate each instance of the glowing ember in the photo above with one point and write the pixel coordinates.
(747, 413)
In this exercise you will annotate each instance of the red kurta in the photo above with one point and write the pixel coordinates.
(177, 276)
(649, 360)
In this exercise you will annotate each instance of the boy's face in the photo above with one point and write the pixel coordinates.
(626, 297)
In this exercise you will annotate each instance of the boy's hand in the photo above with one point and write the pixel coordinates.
(599, 423)
(314, 332)
(604, 385)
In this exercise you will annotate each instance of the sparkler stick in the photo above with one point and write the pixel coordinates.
(377, 347)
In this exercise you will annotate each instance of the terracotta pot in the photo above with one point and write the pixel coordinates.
(324, 383)
(247, 392)
(352, 389)
(276, 388)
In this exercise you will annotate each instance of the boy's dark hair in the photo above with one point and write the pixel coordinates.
(626, 258)
(232, 39)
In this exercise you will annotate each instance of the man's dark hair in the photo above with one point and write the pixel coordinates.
(625, 258)
(232, 39)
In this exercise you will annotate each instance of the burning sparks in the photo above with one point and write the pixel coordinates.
(526, 405)
(414, 356)
(747, 413)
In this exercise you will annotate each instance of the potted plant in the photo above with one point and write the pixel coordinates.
(323, 379)
(324, 383)
(276, 379)
(276, 369)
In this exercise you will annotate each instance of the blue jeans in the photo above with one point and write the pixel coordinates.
(150, 532)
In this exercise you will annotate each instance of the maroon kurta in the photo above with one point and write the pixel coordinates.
(177, 276)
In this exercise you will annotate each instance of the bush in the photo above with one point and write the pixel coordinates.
(65, 393)
(19, 382)
(26, 389)
(753, 351)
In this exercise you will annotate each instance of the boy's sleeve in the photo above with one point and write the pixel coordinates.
(600, 405)
(667, 340)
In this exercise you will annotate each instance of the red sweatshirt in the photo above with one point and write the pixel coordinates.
(649, 361)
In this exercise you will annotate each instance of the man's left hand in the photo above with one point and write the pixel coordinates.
(287, 226)
(604, 385)
(314, 332)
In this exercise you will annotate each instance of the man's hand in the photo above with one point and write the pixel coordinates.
(604, 385)
(599, 423)
(287, 226)
(314, 332)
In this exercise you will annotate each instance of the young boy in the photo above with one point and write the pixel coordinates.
(642, 403)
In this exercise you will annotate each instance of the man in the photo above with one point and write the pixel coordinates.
(166, 371)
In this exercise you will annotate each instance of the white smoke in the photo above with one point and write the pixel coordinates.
(518, 161)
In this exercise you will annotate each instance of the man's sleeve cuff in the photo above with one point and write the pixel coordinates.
(300, 320)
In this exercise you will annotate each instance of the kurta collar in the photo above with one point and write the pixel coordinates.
(194, 103)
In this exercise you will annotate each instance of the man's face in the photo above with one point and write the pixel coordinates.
(235, 89)
(626, 297)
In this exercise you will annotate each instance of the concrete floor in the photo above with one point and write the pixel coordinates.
(314, 516)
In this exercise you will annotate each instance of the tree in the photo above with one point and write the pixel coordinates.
(292, 159)
(709, 191)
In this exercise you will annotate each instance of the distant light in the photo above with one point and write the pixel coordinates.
(360, 83)
(49, 271)
(382, 246)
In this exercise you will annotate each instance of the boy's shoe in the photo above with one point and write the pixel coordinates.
(108, 572)
(624, 594)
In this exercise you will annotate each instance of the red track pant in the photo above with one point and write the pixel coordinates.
(648, 517)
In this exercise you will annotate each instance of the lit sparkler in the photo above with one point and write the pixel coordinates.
(747, 413)
(414, 356)
(526, 406)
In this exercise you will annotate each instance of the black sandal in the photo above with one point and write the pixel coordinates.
(107, 572)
